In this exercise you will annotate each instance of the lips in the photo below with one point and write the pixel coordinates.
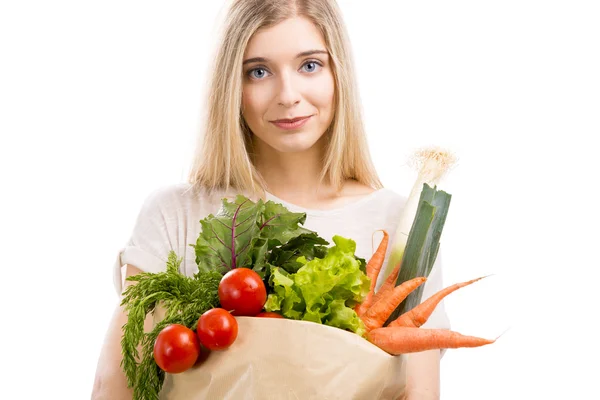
(288, 120)
(292, 123)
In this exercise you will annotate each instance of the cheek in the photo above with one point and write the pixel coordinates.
(324, 92)
(252, 104)
(247, 103)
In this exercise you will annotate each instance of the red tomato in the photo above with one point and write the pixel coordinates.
(176, 348)
(242, 292)
(217, 329)
(269, 315)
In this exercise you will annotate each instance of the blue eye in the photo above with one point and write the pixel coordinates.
(251, 73)
(314, 63)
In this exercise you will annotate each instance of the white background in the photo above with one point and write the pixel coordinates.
(100, 104)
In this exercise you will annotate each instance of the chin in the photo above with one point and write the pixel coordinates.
(294, 142)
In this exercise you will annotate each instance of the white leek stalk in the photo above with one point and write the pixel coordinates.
(432, 164)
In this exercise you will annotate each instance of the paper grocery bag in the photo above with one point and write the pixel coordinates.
(286, 359)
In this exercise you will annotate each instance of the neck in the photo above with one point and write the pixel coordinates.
(292, 176)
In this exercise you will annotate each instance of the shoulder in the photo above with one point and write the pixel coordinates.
(389, 204)
(384, 199)
(393, 197)
(176, 196)
(167, 194)
(354, 188)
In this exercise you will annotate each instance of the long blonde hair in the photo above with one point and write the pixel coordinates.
(223, 158)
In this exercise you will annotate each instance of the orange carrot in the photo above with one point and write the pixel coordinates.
(379, 312)
(373, 267)
(401, 340)
(376, 262)
(387, 285)
(419, 315)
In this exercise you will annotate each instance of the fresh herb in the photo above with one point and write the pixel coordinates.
(184, 300)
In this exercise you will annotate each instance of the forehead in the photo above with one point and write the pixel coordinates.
(285, 40)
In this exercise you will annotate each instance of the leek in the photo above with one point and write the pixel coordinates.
(423, 243)
(432, 164)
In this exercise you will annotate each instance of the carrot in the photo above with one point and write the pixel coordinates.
(373, 267)
(419, 315)
(379, 312)
(402, 340)
(387, 285)
(376, 262)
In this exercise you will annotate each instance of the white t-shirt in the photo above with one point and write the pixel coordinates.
(170, 220)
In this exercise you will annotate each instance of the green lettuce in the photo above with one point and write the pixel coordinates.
(323, 290)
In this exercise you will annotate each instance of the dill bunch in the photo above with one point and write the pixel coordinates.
(184, 300)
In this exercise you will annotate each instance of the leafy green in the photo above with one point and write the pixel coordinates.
(260, 236)
(323, 290)
(226, 239)
(279, 225)
(308, 245)
(184, 299)
(286, 296)
(243, 232)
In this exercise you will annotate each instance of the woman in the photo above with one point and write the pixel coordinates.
(283, 124)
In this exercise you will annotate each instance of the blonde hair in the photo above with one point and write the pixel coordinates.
(223, 159)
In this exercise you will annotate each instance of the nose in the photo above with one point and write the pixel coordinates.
(288, 95)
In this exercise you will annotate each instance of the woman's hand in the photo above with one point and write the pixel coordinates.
(110, 382)
(423, 376)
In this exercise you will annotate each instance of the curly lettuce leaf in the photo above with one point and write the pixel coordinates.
(286, 297)
(343, 317)
(324, 290)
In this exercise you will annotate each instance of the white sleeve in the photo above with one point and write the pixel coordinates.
(149, 243)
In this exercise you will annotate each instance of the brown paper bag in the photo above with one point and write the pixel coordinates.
(287, 359)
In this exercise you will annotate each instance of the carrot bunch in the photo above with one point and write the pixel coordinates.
(404, 335)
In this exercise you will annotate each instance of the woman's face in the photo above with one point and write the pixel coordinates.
(280, 82)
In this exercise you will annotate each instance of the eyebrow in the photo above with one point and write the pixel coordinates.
(303, 54)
